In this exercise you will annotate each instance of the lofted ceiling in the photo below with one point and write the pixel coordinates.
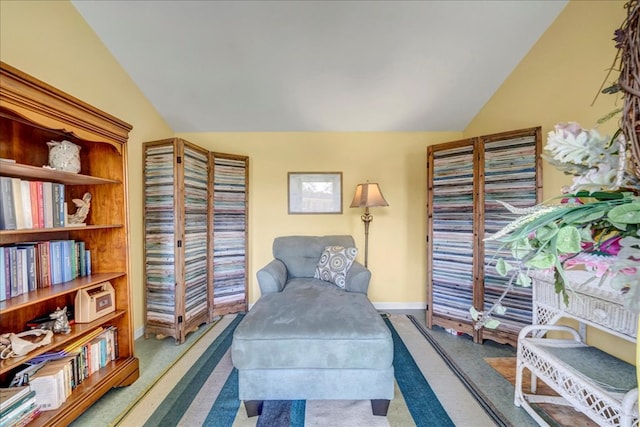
(216, 66)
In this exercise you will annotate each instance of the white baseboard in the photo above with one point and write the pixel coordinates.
(138, 333)
(400, 305)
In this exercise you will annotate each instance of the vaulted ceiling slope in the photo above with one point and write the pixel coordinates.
(214, 66)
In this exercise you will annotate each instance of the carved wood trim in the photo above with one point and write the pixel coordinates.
(47, 106)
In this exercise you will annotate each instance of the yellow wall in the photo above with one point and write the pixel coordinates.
(396, 161)
(557, 82)
(52, 42)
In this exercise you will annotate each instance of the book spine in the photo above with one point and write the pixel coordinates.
(82, 258)
(40, 203)
(55, 248)
(62, 213)
(3, 276)
(33, 193)
(26, 204)
(21, 270)
(68, 251)
(17, 202)
(30, 252)
(88, 261)
(54, 204)
(7, 211)
(7, 272)
(45, 264)
(13, 261)
(47, 197)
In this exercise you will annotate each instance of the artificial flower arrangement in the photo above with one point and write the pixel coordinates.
(594, 225)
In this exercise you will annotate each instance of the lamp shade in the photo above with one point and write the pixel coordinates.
(367, 196)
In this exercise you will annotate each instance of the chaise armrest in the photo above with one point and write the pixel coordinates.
(358, 278)
(272, 277)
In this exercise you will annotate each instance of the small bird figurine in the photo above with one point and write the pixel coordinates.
(82, 210)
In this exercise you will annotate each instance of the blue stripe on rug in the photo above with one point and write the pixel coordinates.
(173, 407)
(423, 404)
(421, 401)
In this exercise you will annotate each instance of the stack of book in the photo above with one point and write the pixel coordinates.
(28, 266)
(54, 375)
(31, 204)
(18, 406)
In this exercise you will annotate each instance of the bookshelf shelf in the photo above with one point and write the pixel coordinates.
(14, 236)
(18, 170)
(33, 113)
(40, 295)
(77, 331)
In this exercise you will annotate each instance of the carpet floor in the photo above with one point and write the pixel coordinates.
(201, 389)
(157, 356)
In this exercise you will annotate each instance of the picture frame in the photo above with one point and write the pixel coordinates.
(314, 192)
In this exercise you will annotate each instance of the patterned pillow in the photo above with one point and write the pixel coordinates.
(334, 264)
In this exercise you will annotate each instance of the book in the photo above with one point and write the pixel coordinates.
(16, 187)
(82, 259)
(21, 258)
(3, 277)
(88, 261)
(31, 273)
(33, 193)
(13, 271)
(44, 269)
(55, 257)
(26, 204)
(12, 415)
(10, 395)
(48, 383)
(47, 205)
(7, 210)
(58, 221)
(68, 252)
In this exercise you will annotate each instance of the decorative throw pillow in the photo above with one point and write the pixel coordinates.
(334, 264)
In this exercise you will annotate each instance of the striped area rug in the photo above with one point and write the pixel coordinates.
(201, 389)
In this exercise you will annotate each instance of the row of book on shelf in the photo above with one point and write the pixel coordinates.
(31, 204)
(25, 267)
(48, 380)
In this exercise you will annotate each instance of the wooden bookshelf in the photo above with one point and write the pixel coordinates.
(33, 113)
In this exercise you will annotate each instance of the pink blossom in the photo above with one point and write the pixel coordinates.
(611, 246)
(570, 128)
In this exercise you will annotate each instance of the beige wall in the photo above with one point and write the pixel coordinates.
(51, 41)
(557, 82)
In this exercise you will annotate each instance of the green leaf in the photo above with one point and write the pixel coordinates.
(492, 324)
(546, 233)
(628, 213)
(541, 261)
(568, 240)
(474, 314)
(503, 267)
(521, 248)
(500, 309)
(523, 280)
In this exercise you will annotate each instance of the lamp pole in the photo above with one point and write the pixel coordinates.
(366, 218)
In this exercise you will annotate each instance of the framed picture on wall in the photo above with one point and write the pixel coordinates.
(315, 192)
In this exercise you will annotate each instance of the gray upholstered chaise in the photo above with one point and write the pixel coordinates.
(307, 339)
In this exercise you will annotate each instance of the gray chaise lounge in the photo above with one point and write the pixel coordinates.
(307, 339)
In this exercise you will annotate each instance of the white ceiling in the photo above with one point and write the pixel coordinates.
(319, 65)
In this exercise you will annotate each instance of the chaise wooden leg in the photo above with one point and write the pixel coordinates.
(379, 407)
(253, 407)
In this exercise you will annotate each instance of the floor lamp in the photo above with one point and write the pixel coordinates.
(367, 196)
